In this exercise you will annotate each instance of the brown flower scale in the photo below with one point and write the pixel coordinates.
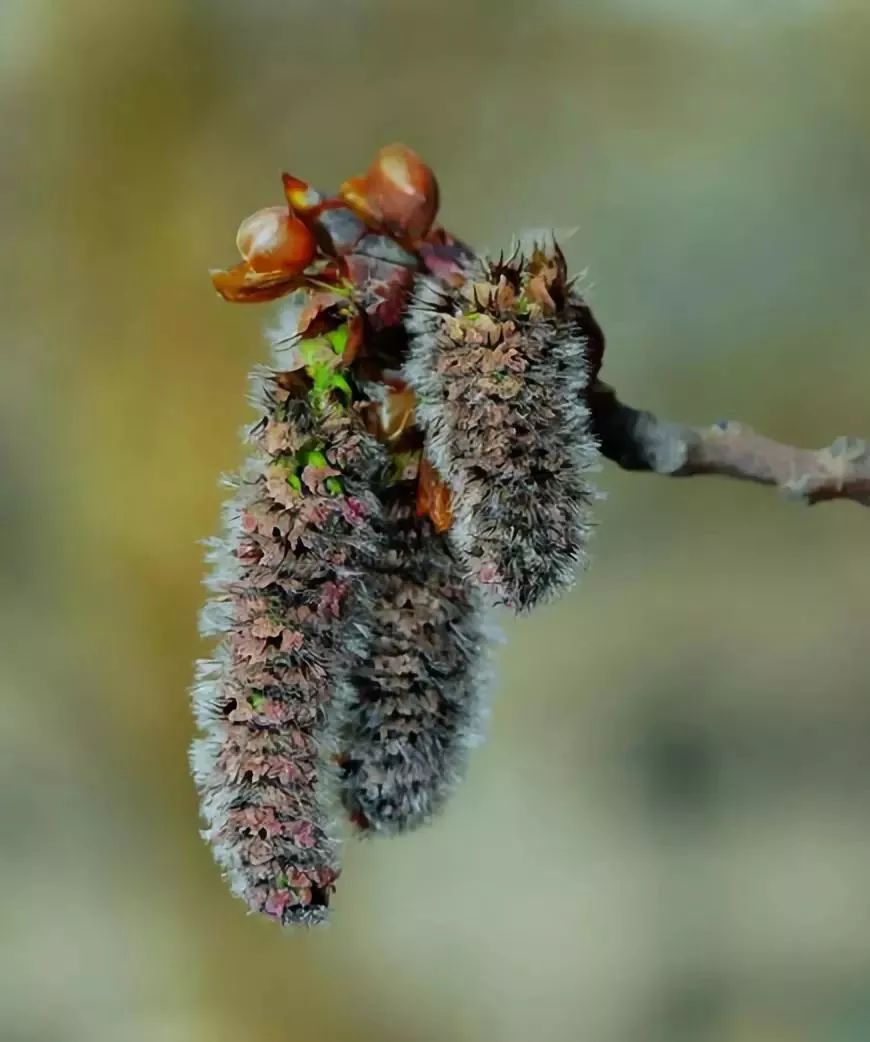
(500, 363)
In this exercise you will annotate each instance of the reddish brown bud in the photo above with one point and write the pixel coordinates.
(273, 239)
(398, 191)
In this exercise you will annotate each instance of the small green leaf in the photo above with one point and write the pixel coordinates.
(256, 699)
(338, 338)
(340, 384)
(314, 458)
(321, 374)
(310, 349)
(334, 486)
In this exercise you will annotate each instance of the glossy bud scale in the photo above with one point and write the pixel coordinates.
(398, 191)
(273, 239)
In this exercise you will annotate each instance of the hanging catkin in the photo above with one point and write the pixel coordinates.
(292, 614)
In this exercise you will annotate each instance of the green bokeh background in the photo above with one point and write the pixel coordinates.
(666, 837)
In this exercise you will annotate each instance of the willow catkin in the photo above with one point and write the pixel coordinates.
(419, 694)
(500, 363)
(290, 610)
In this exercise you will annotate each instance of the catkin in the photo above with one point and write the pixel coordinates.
(419, 694)
(291, 613)
(500, 364)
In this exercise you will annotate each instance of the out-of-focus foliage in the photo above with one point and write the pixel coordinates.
(666, 837)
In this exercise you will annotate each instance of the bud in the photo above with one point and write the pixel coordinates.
(398, 192)
(273, 239)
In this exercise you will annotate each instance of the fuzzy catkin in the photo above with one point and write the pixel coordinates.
(419, 696)
(500, 365)
(291, 613)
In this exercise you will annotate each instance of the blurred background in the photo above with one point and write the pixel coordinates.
(666, 837)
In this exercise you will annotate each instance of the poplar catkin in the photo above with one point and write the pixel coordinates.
(419, 694)
(500, 363)
(291, 613)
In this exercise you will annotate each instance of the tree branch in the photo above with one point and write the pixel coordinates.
(637, 440)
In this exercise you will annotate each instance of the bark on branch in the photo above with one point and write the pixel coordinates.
(638, 440)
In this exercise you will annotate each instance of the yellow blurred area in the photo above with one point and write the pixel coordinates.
(666, 837)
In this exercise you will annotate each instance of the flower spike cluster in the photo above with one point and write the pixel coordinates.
(422, 447)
